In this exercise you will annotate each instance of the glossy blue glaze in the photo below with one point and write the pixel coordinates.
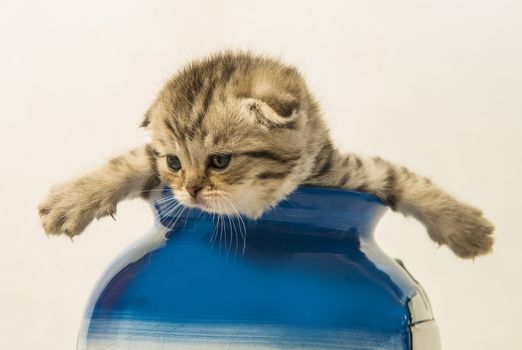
(309, 276)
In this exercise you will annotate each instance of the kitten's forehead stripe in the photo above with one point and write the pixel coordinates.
(200, 115)
(192, 88)
(229, 69)
(208, 97)
(170, 127)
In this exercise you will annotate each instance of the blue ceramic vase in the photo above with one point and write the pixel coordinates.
(306, 275)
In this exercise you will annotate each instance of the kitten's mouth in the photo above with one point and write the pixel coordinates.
(201, 203)
(208, 203)
(198, 202)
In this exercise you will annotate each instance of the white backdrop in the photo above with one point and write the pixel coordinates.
(434, 85)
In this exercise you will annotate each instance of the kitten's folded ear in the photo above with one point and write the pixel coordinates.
(273, 110)
(277, 97)
(284, 106)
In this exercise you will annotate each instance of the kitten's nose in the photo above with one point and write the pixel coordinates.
(193, 190)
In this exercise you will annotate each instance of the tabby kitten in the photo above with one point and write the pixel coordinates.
(242, 130)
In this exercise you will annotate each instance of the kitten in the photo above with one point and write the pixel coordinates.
(242, 130)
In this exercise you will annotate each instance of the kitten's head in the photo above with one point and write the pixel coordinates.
(232, 133)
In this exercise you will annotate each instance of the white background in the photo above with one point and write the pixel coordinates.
(434, 85)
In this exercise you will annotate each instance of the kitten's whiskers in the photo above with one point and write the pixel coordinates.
(243, 234)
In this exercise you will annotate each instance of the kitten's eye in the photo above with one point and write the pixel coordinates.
(220, 161)
(173, 163)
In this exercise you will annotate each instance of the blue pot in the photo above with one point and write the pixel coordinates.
(306, 275)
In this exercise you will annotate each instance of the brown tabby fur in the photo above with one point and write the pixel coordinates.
(260, 111)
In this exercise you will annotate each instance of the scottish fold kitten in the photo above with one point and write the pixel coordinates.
(237, 130)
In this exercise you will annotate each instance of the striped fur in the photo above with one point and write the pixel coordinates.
(259, 111)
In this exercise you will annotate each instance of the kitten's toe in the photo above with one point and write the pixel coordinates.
(52, 222)
(57, 222)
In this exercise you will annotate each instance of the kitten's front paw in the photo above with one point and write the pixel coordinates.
(466, 232)
(69, 209)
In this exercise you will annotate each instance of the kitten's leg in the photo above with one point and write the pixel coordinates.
(448, 221)
(71, 206)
